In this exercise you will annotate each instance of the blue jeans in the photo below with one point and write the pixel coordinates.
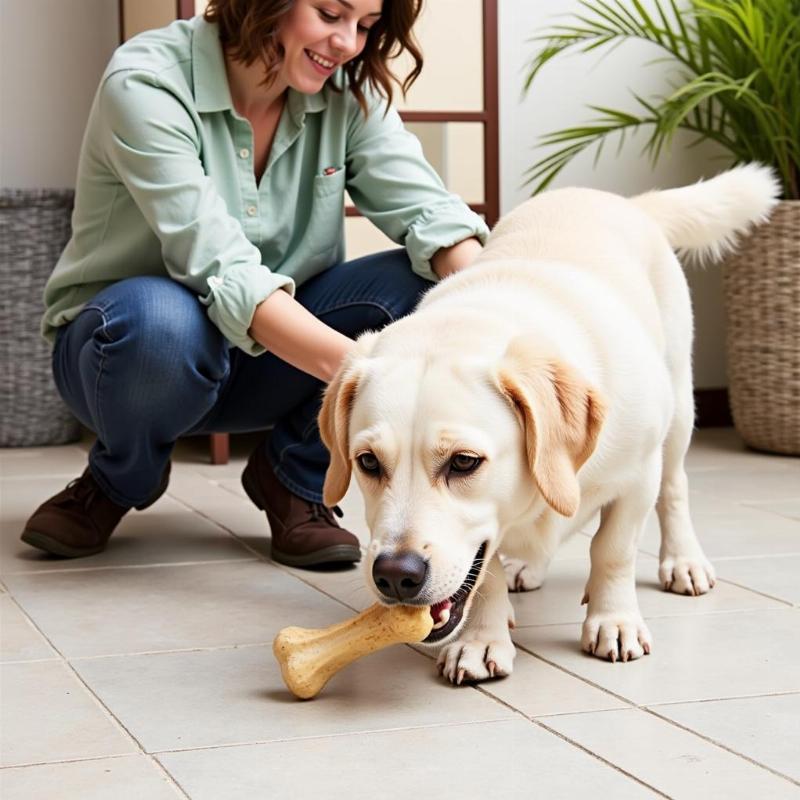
(142, 365)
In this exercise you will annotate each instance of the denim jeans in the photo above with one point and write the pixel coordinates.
(142, 365)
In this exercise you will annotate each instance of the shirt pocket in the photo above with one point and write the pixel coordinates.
(326, 223)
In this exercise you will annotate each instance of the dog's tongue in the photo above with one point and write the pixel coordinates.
(436, 610)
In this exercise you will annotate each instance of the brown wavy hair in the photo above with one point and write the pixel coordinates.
(248, 32)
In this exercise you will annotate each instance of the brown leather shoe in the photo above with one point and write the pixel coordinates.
(80, 519)
(304, 534)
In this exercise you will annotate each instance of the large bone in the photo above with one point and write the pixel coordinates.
(309, 658)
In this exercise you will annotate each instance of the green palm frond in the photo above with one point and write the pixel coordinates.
(738, 63)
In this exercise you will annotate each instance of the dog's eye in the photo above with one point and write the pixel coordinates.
(369, 463)
(464, 463)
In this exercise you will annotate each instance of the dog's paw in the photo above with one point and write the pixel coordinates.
(520, 577)
(470, 660)
(616, 637)
(682, 575)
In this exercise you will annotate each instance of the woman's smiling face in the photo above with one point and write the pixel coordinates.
(318, 36)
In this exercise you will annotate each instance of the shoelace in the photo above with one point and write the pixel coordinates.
(319, 511)
(80, 490)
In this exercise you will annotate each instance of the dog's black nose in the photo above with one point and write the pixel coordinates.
(400, 576)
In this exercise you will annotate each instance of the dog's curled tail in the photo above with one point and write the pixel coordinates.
(703, 221)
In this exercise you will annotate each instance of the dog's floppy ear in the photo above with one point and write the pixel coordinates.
(561, 415)
(334, 420)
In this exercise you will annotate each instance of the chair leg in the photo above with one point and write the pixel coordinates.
(220, 448)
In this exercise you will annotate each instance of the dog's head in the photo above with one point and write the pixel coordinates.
(449, 452)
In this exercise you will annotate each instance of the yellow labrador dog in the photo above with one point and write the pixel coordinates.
(546, 383)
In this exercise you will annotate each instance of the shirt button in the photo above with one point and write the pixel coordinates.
(244, 153)
(251, 211)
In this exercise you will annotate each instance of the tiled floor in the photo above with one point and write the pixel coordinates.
(147, 672)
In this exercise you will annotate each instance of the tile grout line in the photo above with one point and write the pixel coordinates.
(598, 757)
(792, 554)
(785, 606)
(106, 568)
(648, 709)
(534, 721)
(115, 721)
(60, 762)
(725, 747)
(340, 735)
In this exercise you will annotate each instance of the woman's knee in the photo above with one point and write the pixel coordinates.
(159, 324)
(152, 338)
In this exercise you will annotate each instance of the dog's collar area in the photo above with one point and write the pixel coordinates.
(447, 614)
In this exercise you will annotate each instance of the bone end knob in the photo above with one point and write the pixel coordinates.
(309, 658)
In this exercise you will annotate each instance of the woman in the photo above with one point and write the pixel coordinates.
(203, 289)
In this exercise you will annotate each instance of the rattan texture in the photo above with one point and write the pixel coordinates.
(34, 229)
(762, 297)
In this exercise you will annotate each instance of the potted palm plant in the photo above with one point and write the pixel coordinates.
(737, 64)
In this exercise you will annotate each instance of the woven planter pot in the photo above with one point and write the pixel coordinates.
(34, 228)
(762, 298)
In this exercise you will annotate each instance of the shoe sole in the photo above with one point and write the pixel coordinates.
(337, 553)
(44, 542)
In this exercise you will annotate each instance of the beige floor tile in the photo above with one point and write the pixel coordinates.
(734, 530)
(19, 640)
(766, 729)
(498, 760)
(164, 533)
(123, 778)
(558, 601)
(538, 689)
(747, 486)
(784, 508)
(106, 612)
(231, 511)
(723, 448)
(702, 657)
(47, 715)
(236, 696)
(669, 759)
(777, 576)
(346, 584)
(67, 461)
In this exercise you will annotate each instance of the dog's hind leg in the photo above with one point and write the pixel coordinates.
(527, 551)
(683, 567)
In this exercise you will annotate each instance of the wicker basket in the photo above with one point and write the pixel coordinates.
(762, 297)
(34, 228)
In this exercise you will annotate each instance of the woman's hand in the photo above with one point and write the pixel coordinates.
(452, 259)
(296, 336)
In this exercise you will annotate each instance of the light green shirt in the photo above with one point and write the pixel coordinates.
(166, 186)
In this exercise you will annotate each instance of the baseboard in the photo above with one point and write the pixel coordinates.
(711, 408)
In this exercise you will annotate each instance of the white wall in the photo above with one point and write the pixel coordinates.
(52, 54)
(559, 99)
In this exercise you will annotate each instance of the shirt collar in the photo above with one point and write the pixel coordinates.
(211, 90)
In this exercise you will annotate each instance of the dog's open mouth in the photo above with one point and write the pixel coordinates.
(447, 613)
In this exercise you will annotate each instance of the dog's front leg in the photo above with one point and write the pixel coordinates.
(484, 649)
(614, 628)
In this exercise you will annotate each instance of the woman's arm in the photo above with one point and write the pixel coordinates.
(394, 186)
(448, 260)
(295, 335)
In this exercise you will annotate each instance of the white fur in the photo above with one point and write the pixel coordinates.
(577, 291)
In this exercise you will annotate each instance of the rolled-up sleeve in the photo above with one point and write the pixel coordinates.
(152, 145)
(393, 185)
